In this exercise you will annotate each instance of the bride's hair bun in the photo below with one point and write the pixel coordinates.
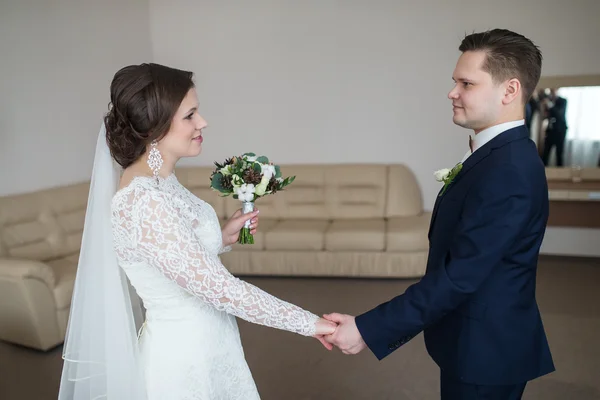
(143, 100)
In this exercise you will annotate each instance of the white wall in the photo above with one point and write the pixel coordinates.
(57, 60)
(349, 81)
(355, 81)
(337, 81)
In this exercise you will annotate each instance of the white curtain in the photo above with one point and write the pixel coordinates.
(582, 146)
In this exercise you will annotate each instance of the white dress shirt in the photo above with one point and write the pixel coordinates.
(488, 134)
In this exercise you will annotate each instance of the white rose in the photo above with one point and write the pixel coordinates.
(262, 186)
(441, 174)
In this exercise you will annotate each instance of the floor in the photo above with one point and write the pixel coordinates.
(291, 367)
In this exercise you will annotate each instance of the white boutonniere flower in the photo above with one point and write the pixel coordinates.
(441, 174)
(447, 175)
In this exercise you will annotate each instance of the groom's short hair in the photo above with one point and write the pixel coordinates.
(508, 55)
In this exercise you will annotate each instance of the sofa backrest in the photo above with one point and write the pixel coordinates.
(404, 196)
(43, 225)
(48, 224)
(322, 191)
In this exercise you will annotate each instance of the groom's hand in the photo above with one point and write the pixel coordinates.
(347, 338)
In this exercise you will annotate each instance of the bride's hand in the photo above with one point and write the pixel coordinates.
(324, 327)
(231, 230)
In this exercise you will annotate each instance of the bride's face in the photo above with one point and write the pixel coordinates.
(184, 138)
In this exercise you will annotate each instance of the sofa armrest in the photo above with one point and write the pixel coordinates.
(22, 269)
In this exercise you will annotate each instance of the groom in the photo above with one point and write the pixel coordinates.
(476, 303)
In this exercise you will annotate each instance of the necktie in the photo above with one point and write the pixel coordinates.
(470, 143)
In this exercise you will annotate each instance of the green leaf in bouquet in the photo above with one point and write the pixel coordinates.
(240, 164)
(235, 196)
(217, 183)
(287, 181)
(277, 172)
(257, 168)
(263, 160)
(249, 155)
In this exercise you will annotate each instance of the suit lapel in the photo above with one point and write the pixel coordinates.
(436, 206)
(502, 139)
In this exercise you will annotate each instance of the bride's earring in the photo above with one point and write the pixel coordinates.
(155, 160)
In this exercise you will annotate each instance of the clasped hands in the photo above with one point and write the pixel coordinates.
(339, 330)
(333, 329)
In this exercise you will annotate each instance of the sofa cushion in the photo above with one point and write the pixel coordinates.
(264, 226)
(356, 235)
(43, 225)
(306, 198)
(356, 191)
(326, 192)
(297, 235)
(408, 233)
(24, 269)
(404, 197)
(65, 270)
(197, 181)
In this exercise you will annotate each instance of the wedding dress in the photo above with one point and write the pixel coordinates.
(168, 243)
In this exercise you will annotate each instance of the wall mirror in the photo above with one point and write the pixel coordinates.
(563, 117)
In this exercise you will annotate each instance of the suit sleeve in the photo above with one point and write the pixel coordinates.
(494, 214)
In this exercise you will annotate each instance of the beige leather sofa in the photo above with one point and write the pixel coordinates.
(334, 220)
(40, 235)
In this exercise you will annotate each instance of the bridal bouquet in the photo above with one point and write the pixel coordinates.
(247, 178)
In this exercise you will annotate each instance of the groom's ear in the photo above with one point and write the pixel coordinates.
(512, 91)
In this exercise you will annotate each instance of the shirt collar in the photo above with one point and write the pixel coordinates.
(488, 134)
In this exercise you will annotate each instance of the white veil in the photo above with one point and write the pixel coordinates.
(100, 351)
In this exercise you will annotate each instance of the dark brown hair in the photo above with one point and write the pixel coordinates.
(143, 101)
(508, 55)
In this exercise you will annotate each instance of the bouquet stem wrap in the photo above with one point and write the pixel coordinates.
(245, 236)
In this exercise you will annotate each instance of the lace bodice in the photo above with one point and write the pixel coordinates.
(165, 227)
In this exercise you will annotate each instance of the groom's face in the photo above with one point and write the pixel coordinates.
(476, 99)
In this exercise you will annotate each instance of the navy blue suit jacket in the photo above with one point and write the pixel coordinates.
(476, 303)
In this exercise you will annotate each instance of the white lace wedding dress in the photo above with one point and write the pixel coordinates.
(168, 242)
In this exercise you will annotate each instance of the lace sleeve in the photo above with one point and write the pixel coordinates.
(224, 249)
(165, 239)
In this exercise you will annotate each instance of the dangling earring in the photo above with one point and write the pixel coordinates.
(155, 160)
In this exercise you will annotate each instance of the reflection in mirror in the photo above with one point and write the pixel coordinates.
(565, 125)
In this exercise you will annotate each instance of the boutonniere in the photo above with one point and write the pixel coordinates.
(447, 175)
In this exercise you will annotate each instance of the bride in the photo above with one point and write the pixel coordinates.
(144, 227)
